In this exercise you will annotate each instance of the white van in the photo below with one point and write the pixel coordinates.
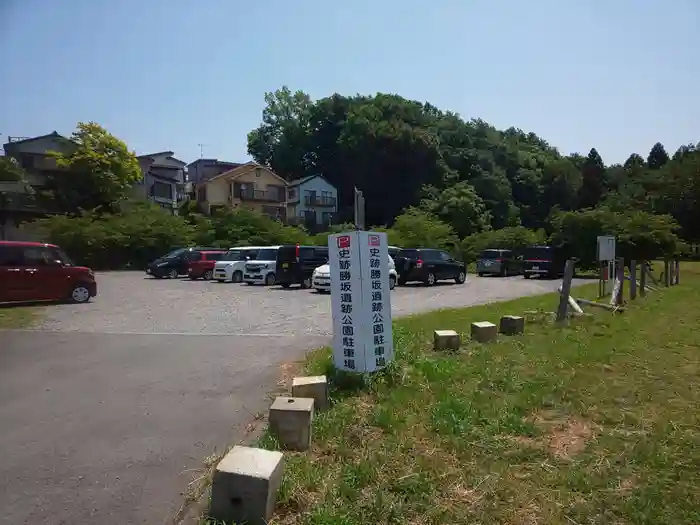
(262, 269)
(231, 266)
(321, 277)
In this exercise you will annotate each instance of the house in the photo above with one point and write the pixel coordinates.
(17, 202)
(203, 169)
(313, 202)
(163, 180)
(248, 185)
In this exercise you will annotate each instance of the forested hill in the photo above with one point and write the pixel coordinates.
(405, 153)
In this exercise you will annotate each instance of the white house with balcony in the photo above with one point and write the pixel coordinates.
(312, 201)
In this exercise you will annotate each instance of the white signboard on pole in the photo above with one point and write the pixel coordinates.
(360, 301)
(606, 248)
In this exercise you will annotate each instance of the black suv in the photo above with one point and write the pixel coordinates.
(175, 263)
(296, 264)
(429, 266)
(544, 261)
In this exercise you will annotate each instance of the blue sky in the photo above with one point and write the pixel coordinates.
(171, 74)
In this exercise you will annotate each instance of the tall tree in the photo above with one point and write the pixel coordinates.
(460, 206)
(657, 157)
(281, 140)
(593, 181)
(98, 172)
(634, 161)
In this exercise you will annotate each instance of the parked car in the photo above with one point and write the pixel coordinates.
(231, 266)
(322, 277)
(263, 269)
(296, 264)
(32, 271)
(542, 261)
(201, 264)
(498, 262)
(173, 264)
(429, 266)
(394, 251)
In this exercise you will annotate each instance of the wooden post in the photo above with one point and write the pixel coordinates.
(643, 279)
(677, 273)
(601, 283)
(671, 278)
(633, 280)
(667, 268)
(565, 291)
(621, 278)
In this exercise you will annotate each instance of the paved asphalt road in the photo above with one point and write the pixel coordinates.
(106, 406)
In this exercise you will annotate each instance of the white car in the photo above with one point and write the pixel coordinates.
(321, 277)
(231, 266)
(262, 269)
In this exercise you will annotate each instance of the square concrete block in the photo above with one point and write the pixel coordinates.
(446, 340)
(484, 332)
(512, 324)
(245, 486)
(290, 422)
(314, 387)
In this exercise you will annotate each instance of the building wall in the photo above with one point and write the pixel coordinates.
(219, 192)
(322, 188)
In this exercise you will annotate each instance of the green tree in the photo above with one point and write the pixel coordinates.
(98, 171)
(416, 228)
(593, 181)
(657, 157)
(460, 206)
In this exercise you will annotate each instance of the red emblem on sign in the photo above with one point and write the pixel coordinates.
(374, 240)
(344, 241)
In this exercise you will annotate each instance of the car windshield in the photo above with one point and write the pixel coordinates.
(175, 253)
(238, 255)
(65, 260)
(269, 254)
(490, 254)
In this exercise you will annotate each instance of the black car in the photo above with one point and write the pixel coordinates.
(296, 264)
(498, 262)
(428, 266)
(543, 261)
(174, 263)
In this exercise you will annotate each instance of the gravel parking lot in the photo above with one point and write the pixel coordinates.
(131, 303)
(111, 407)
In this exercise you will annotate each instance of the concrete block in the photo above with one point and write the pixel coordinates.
(484, 332)
(314, 387)
(290, 422)
(245, 486)
(512, 325)
(446, 340)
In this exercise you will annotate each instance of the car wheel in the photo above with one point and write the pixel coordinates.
(172, 273)
(80, 294)
(480, 274)
(430, 280)
(306, 283)
(504, 272)
(392, 282)
(208, 275)
(461, 277)
(402, 282)
(270, 279)
(526, 275)
(237, 277)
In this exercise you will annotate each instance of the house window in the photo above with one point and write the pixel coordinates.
(258, 172)
(291, 193)
(162, 190)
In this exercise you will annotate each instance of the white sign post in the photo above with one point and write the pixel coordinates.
(606, 253)
(360, 301)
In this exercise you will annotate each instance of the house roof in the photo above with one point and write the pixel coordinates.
(299, 182)
(169, 154)
(53, 134)
(243, 169)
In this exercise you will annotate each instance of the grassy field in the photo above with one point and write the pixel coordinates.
(17, 316)
(594, 423)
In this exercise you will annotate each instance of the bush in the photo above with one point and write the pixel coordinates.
(514, 238)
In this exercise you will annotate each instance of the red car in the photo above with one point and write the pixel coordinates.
(32, 271)
(201, 263)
